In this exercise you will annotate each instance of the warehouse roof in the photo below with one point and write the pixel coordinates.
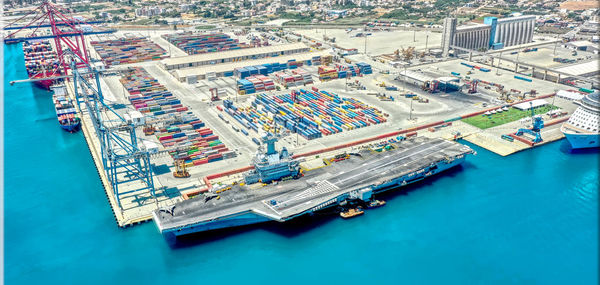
(232, 53)
(581, 69)
(217, 68)
(415, 76)
(581, 43)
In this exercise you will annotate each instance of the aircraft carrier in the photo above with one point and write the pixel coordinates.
(358, 177)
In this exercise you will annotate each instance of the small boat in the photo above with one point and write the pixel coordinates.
(375, 204)
(352, 213)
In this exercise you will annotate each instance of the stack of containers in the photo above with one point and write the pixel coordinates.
(364, 68)
(296, 77)
(128, 50)
(327, 73)
(293, 64)
(249, 117)
(193, 43)
(183, 134)
(266, 69)
(255, 83)
(348, 70)
(241, 72)
(284, 79)
(309, 113)
(306, 78)
(245, 87)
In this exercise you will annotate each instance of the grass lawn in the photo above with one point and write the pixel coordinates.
(513, 114)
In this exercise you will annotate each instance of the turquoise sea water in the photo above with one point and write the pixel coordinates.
(531, 218)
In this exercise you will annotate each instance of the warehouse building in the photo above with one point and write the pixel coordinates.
(229, 56)
(494, 33)
(586, 69)
(192, 75)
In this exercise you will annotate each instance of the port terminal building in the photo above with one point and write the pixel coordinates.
(208, 59)
(494, 33)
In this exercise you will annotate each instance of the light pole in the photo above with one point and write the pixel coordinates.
(365, 43)
(555, 44)
(411, 109)
(404, 81)
(498, 67)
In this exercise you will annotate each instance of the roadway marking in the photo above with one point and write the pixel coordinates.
(391, 162)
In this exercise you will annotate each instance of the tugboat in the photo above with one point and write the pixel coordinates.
(352, 213)
(65, 110)
(375, 204)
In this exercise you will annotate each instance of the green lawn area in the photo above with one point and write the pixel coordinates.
(513, 114)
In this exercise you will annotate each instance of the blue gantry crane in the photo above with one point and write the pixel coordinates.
(122, 158)
(538, 125)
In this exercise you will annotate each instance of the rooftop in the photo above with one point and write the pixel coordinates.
(233, 53)
(581, 68)
(218, 68)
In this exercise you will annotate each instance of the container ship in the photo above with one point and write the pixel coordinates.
(41, 62)
(65, 110)
(582, 130)
(293, 193)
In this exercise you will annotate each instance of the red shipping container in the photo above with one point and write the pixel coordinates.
(212, 138)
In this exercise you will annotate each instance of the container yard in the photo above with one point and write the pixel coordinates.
(193, 43)
(311, 114)
(128, 50)
(180, 132)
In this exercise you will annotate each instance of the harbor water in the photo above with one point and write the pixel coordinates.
(530, 218)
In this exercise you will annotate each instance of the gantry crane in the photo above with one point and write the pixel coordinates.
(538, 125)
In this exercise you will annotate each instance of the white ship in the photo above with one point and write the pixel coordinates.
(583, 127)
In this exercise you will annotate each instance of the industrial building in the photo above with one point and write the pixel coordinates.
(586, 69)
(494, 33)
(191, 75)
(512, 31)
(233, 56)
(429, 82)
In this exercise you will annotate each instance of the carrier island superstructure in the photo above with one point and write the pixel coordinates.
(360, 176)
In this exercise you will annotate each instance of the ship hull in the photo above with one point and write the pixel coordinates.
(44, 84)
(249, 217)
(579, 141)
(71, 128)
